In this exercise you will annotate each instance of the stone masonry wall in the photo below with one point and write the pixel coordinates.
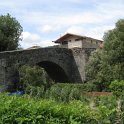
(71, 61)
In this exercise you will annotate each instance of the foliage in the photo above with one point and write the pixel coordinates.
(117, 87)
(114, 50)
(34, 80)
(93, 67)
(10, 31)
(107, 65)
(66, 91)
(26, 110)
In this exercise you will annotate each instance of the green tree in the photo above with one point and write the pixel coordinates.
(114, 48)
(10, 31)
(93, 68)
(107, 65)
(94, 64)
(34, 80)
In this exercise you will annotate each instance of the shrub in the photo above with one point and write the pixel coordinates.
(34, 80)
(117, 87)
(67, 91)
(27, 110)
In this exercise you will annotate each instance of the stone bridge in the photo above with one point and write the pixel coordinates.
(61, 64)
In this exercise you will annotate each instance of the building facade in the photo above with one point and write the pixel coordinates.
(77, 41)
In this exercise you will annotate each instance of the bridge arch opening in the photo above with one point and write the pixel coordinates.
(55, 72)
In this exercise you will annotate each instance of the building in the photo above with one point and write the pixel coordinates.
(72, 40)
(34, 47)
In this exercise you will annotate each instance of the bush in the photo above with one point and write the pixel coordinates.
(67, 91)
(34, 80)
(117, 87)
(27, 110)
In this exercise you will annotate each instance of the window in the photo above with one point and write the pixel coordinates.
(77, 39)
(64, 42)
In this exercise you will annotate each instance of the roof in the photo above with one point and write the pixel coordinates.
(34, 47)
(69, 34)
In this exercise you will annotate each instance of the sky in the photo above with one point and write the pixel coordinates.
(44, 21)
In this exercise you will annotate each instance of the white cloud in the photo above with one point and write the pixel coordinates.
(30, 39)
(46, 16)
(111, 8)
(65, 20)
(94, 32)
(56, 22)
(47, 28)
(75, 30)
(98, 32)
(10, 4)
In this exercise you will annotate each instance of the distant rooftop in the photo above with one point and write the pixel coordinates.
(69, 34)
(34, 47)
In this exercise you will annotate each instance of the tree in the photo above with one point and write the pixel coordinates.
(34, 80)
(114, 50)
(107, 65)
(10, 31)
(94, 64)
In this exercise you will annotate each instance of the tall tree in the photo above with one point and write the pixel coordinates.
(114, 50)
(10, 31)
(108, 65)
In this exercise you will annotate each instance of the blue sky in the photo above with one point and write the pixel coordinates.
(46, 20)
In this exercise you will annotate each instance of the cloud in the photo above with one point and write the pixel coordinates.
(102, 12)
(51, 23)
(94, 32)
(46, 19)
(75, 30)
(47, 28)
(64, 20)
(30, 39)
(112, 8)
(98, 32)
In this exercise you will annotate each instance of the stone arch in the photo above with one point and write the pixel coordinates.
(55, 71)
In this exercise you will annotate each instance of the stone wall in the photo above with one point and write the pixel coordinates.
(79, 61)
(71, 62)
